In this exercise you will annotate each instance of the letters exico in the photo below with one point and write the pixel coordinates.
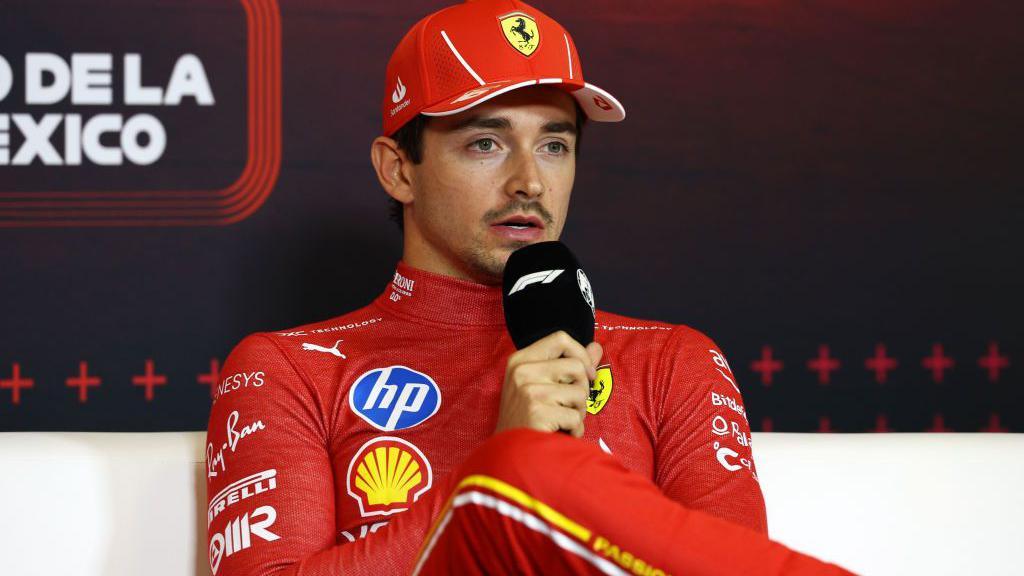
(86, 79)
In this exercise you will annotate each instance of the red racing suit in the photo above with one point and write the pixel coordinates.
(322, 437)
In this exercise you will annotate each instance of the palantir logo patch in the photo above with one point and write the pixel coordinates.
(394, 398)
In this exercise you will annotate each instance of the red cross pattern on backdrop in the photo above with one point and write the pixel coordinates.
(16, 383)
(766, 365)
(994, 425)
(993, 362)
(211, 378)
(938, 363)
(824, 424)
(83, 382)
(882, 424)
(880, 364)
(824, 364)
(939, 424)
(149, 380)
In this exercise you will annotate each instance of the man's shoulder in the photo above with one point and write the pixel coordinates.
(314, 335)
(364, 317)
(679, 352)
(613, 326)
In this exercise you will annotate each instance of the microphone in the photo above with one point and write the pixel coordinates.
(545, 290)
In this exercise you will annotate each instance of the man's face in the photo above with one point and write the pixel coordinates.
(493, 179)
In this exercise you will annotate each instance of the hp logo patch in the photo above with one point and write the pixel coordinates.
(394, 398)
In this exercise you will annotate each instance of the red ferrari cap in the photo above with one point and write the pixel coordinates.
(466, 54)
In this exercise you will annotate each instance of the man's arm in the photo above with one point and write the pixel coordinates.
(270, 484)
(703, 455)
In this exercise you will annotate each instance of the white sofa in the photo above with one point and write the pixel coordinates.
(879, 504)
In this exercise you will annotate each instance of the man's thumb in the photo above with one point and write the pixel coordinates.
(596, 351)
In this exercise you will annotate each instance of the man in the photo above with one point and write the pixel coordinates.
(353, 445)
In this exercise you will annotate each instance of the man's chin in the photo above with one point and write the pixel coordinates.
(489, 265)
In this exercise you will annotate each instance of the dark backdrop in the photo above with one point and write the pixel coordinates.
(799, 180)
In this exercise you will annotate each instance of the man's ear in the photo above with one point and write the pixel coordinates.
(393, 167)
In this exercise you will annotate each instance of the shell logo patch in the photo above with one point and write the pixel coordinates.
(600, 389)
(387, 475)
(521, 32)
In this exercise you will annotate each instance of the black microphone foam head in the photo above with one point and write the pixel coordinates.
(545, 290)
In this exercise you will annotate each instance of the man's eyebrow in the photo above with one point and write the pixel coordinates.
(502, 123)
(495, 122)
(569, 127)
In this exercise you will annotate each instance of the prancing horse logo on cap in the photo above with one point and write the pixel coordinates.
(521, 32)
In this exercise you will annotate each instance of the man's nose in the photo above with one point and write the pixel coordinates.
(525, 181)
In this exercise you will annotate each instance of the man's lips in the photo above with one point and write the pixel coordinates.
(520, 228)
(521, 221)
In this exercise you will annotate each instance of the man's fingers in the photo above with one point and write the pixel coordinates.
(566, 419)
(565, 371)
(556, 345)
(574, 397)
(547, 384)
(596, 351)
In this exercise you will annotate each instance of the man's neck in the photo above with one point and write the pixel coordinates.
(438, 298)
(418, 253)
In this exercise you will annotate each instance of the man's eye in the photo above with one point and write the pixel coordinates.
(484, 144)
(556, 147)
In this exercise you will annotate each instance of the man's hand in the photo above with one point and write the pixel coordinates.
(547, 384)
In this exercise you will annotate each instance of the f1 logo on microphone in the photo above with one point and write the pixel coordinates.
(542, 277)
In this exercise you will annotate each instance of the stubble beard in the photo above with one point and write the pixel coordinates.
(488, 264)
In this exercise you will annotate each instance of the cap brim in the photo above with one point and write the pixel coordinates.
(597, 104)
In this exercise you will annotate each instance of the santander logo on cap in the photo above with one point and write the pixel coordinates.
(399, 92)
(397, 96)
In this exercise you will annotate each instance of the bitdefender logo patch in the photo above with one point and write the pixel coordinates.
(94, 134)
